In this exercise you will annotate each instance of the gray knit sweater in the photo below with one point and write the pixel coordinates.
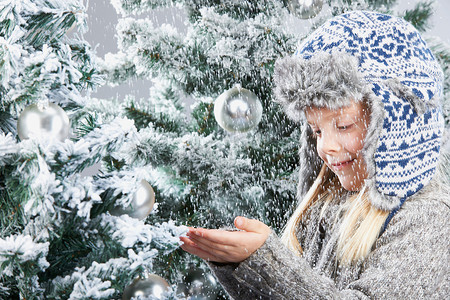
(409, 261)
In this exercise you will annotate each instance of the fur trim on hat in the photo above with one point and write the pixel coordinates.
(324, 80)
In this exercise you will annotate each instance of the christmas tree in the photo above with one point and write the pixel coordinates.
(70, 234)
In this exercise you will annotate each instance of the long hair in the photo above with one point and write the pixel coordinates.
(359, 227)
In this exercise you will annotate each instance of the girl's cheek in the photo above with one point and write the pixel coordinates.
(321, 155)
(353, 144)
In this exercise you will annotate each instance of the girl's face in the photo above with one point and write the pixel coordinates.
(340, 137)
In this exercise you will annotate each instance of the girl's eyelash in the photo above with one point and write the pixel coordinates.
(344, 127)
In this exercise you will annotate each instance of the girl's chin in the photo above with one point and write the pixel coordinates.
(350, 185)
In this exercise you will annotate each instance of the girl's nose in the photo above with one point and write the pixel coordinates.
(329, 143)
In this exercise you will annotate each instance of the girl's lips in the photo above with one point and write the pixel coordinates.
(341, 165)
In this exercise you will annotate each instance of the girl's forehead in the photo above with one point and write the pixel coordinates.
(316, 114)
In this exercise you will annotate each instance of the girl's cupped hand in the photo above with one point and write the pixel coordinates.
(226, 246)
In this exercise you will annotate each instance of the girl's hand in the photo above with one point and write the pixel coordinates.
(226, 246)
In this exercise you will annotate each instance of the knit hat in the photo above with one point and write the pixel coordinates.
(382, 60)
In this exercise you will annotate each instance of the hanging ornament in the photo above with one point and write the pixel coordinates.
(199, 285)
(151, 286)
(141, 205)
(305, 9)
(47, 121)
(238, 109)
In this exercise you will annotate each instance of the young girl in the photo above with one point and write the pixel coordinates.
(373, 217)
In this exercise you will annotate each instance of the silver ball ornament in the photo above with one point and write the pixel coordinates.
(238, 110)
(199, 285)
(152, 285)
(43, 122)
(141, 205)
(305, 9)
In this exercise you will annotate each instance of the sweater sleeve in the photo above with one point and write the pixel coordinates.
(410, 259)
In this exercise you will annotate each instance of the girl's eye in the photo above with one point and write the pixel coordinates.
(344, 127)
(317, 133)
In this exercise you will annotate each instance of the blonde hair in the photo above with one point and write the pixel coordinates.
(361, 222)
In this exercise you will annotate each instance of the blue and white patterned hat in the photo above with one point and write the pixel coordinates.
(383, 60)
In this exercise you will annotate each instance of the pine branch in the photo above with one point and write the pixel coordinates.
(22, 259)
(98, 141)
(44, 27)
(75, 245)
(15, 192)
(88, 124)
(239, 10)
(9, 21)
(381, 5)
(6, 26)
(51, 22)
(12, 218)
(420, 15)
(91, 76)
(143, 117)
(203, 114)
(7, 123)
